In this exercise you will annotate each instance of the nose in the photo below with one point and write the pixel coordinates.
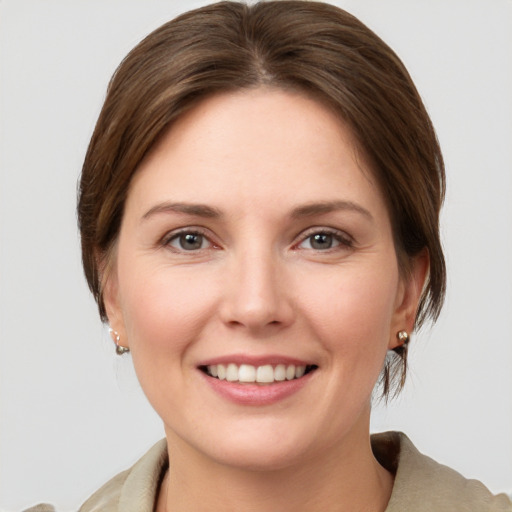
(257, 295)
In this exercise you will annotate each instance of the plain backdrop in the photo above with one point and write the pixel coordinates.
(72, 414)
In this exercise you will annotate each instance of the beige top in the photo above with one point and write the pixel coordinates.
(421, 484)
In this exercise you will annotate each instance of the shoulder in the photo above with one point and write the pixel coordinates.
(423, 485)
(41, 507)
(134, 489)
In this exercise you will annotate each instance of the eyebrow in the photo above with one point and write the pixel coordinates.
(198, 210)
(309, 210)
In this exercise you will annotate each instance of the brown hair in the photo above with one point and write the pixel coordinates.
(311, 47)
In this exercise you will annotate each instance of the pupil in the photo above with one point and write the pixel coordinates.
(191, 241)
(321, 241)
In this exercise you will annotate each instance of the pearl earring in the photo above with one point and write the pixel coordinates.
(403, 337)
(120, 350)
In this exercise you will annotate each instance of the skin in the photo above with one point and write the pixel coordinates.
(258, 284)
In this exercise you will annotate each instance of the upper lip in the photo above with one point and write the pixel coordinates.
(253, 360)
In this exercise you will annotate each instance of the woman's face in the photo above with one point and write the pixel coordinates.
(255, 245)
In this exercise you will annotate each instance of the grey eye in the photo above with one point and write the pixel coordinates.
(321, 241)
(188, 241)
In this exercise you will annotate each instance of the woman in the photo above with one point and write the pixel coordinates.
(259, 212)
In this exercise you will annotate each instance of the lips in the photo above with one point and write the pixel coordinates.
(259, 374)
(256, 380)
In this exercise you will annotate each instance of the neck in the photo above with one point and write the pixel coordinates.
(345, 478)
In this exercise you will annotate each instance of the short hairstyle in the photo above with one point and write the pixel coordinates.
(310, 47)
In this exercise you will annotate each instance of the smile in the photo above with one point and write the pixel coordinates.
(265, 374)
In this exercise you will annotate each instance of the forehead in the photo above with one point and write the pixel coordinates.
(251, 144)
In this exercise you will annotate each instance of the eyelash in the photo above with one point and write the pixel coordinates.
(175, 235)
(343, 240)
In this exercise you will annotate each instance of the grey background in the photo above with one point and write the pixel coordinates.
(71, 413)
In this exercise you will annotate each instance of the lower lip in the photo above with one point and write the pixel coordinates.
(257, 394)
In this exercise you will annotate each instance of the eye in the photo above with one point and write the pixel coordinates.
(324, 240)
(320, 241)
(188, 241)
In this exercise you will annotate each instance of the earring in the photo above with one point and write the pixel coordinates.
(403, 337)
(395, 367)
(120, 350)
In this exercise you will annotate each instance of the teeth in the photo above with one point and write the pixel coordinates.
(232, 373)
(265, 374)
(280, 372)
(247, 373)
(221, 371)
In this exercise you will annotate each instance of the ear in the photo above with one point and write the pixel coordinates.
(408, 296)
(111, 300)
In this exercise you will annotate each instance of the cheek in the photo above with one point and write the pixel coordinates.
(163, 308)
(354, 317)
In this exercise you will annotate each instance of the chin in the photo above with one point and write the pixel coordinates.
(263, 449)
(260, 459)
